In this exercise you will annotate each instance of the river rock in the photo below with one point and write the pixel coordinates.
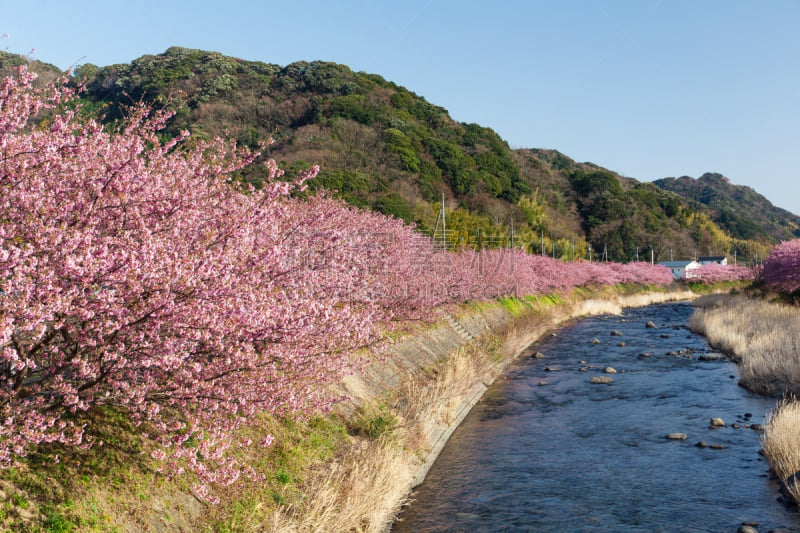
(609, 370)
(677, 436)
(543, 382)
(664, 336)
(701, 444)
(645, 355)
(709, 357)
(621, 344)
(616, 333)
(650, 325)
(595, 341)
(757, 427)
(551, 369)
(744, 528)
(603, 380)
(537, 355)
(716, 447)
(717, 423)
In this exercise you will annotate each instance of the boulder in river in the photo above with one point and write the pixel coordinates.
(677, 436)
(603, 380)
(717, 423)
(616, 333)
(537, 355)
(609, 370)
(650, 325)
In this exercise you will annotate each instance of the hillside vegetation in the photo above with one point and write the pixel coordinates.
(738, 209)
(381, 146)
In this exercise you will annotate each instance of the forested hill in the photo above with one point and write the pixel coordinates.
(736, 208)
(382, 146)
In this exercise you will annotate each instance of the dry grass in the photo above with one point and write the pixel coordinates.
(643, 299)
(780, 442)
(763, 337)
(598, 307)
(358, 493)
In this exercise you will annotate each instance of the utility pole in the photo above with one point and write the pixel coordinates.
(444, 228)
(543, 242)
(652, 260)
(637, 253)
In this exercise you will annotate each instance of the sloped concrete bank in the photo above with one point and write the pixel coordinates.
(436, 376)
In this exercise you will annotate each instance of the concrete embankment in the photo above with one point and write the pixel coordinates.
(434, 377)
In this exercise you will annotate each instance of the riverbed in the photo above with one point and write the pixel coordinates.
(548, 450)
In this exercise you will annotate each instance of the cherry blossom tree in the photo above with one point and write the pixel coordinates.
(714, 273)
(782, 267)
(134, 275)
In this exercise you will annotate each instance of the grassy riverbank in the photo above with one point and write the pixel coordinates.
(350, 469)
(763, 337)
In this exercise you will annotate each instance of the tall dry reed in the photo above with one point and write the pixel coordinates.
(358, 493)
(781, 443)
(763, 337)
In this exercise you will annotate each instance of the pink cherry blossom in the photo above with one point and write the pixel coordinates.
(135, 274)
(782, 267)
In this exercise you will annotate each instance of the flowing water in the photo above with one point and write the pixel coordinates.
(546, 450)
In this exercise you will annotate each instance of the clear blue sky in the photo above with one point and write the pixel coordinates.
(646, 88)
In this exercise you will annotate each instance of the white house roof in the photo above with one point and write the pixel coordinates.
(678, 264)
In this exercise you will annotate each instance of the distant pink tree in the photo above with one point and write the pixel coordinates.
(782, 267)
(714, 273)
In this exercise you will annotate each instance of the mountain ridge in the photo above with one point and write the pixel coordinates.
(736, 207)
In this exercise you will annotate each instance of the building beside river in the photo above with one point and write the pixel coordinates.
(681, 269)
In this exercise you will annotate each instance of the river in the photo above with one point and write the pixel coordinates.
(546, 450)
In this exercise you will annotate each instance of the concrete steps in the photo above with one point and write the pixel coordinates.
(458, 328)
